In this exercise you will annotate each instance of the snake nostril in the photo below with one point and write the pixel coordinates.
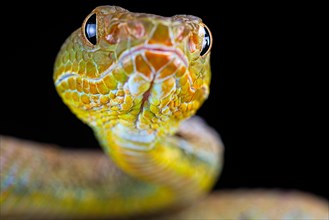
(193, 43)
(136, 29)
(180, 33)
(113, 35)
(123, 30)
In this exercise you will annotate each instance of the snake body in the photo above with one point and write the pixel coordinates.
(137, 80)
(133, 78)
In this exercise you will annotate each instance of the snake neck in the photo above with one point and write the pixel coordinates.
(134, 139)
(162, 161)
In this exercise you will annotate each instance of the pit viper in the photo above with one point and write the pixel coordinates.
(137, 80)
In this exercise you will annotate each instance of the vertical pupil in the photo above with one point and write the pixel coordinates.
(205, 42)
(91, 29)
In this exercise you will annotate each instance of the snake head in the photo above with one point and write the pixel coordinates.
(141, 70)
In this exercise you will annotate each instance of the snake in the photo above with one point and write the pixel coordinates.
(137, 80)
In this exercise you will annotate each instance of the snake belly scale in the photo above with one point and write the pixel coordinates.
(137, 80)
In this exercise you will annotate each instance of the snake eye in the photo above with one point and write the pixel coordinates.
(206, 42)
(90, 29)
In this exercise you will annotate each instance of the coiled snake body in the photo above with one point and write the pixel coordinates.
(136, 79)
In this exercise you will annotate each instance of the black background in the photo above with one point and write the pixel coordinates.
(261, 100)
